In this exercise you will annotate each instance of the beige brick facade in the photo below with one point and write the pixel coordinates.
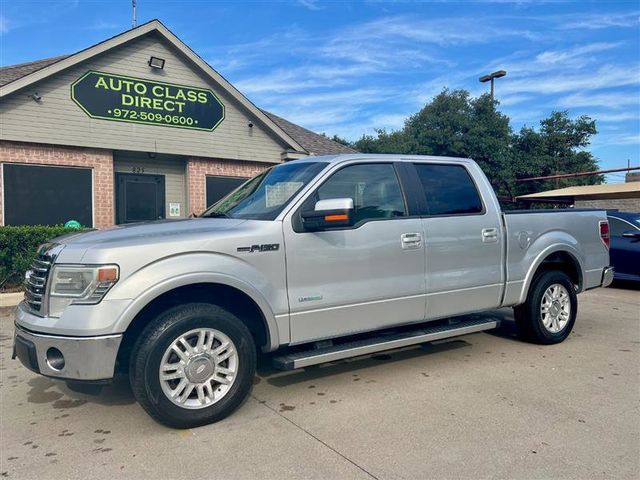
(100, 161)
(198, 168)
(623, 204)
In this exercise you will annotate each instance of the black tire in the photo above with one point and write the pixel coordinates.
(157, 337)
(528, 316)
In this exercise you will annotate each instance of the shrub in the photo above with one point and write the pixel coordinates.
(18, 247)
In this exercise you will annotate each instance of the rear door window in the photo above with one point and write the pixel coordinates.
(449, 189)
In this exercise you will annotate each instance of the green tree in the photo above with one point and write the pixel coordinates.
(557, 147)
(458, 125)
(453, 124)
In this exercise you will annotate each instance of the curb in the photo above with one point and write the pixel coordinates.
(11, 299)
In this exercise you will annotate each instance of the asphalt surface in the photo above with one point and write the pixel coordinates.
(484, 405)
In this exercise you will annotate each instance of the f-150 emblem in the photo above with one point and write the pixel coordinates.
(265, 247)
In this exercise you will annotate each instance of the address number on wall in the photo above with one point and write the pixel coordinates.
(137, 169)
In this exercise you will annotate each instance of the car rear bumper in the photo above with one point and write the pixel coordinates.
(69, 358)
(607, 276)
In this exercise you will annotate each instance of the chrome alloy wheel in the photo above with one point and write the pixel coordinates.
(555, 308)
(198, 368)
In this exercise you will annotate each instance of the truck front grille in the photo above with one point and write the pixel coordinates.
(35, 283)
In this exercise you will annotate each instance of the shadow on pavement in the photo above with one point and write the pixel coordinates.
(278, 378)
(46, 390)
(625, 285)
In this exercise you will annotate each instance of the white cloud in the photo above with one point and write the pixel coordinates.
(436, 31)
(556, 57)
(4, 25)
(607, 76)
(352, 80)
(616, 139)
(310, 4)
(608, 99)
(615, 118)
(599, 21)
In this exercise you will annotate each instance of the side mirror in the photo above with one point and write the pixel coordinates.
(328, 214)
(631, 234)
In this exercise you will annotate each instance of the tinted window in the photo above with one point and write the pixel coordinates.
(218, 187)
(618, 227)
(449, 189)
(265, 195)
(374, 188)
(36, 195)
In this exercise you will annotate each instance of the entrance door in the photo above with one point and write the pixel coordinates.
(359, 278)
(139, 198)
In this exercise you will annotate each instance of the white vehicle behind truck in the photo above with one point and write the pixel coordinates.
(317, 260)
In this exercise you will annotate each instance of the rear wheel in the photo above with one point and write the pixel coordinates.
(549, 313)
(193, 365)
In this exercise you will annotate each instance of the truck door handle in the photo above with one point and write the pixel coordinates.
(411, 241)
(489, 235)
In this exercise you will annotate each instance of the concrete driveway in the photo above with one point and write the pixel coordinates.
(485, 405)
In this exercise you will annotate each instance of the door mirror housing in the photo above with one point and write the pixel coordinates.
(328, 214)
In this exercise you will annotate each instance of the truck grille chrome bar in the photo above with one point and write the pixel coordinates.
(35, 283)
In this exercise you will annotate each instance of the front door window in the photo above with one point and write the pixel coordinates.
(140, 198)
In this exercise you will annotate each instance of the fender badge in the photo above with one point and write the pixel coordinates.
(310, 298)
(265, 247)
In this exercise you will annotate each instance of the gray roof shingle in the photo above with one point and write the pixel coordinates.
(312, 142)
(12, 73)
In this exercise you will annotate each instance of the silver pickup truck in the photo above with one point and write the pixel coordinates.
(318, 259)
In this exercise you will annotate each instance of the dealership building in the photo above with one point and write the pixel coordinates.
(135, 128)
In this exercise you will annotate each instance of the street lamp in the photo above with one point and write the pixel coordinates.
(491, 77)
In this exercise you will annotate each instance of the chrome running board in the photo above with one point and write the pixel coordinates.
(380, 343)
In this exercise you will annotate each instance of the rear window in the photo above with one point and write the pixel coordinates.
(449, 189)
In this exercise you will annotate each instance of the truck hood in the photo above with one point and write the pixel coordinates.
(145, 240)
(149, 231)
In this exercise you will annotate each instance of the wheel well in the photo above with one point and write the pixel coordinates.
(564, 262)
(229, 298)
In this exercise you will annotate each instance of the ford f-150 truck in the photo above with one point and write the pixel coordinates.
(319, 259)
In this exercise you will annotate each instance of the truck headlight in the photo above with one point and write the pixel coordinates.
(79, 284)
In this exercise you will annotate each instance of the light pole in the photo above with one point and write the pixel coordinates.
(491, 77)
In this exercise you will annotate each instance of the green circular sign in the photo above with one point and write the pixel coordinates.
(73, 224)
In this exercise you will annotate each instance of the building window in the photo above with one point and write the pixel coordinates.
(218, 187)
(38, 195)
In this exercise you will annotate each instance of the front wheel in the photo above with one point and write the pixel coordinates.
(193, 365)
(549, 313)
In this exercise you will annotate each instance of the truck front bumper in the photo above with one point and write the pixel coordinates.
(69, 358)
(607, 276)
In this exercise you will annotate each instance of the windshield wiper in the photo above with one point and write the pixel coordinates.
(216, 215)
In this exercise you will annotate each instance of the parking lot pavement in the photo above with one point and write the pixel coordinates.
(485, 405)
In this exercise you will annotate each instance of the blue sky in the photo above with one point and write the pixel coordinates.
(346, 68)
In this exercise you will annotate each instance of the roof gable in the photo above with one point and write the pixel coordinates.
(45, 68)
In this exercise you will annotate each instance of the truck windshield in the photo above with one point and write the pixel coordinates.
(264, 196)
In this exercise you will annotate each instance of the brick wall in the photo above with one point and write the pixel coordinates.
(623, 204)
(101, 161)
(198, 168)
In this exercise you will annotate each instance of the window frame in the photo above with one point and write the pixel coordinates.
(424, 203)
(62, 165)
(296, 217)
(622, 220)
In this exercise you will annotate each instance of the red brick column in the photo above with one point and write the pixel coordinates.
(198, 168)
(100, 161)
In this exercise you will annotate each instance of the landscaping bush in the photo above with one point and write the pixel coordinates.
(18, 247)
